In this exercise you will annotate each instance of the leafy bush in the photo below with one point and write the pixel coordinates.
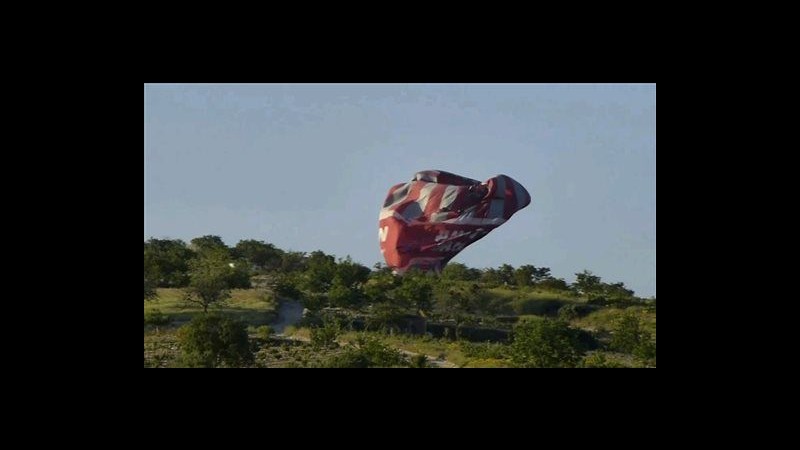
(286, 286)
(484, 350)
(384, 317)
(542, 307)
(553, 284)
(325, 336)
(264, 332)
(599, 301)
(586, 340)
(314, 301)
(211, 340)
(573, 311)
(169, 260)
(646, 349)
(239, 275)
(545, 343)
(630, 337)
(419, 361)
(367, 352)
(344, 296)
(486, 363)
(622, 302)
(626, 333)
(598, 360)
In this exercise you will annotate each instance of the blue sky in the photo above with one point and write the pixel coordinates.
(307, 166)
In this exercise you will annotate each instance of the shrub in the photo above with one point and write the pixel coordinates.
(484, 350)
(264, 332)
(646, 348)
(586, 340)
(573, 311)
(486, 363)
(622, 302)
(542, 307)
(325, 336)
(314, 301)
(627, 333)
(384, 317)
(545, 343)
(630, 337)
(286, 286)
(599, 301)
(211, 340)
(419, 361)
(553, 284)
(368, 352)
(598, 360)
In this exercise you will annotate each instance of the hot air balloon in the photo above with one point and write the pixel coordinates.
(427, 221)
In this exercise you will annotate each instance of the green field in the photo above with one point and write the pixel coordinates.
(253, 306)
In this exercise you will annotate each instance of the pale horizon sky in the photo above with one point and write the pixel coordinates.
(307, 166)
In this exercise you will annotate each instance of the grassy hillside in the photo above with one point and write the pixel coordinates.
(532, 301)
(258, 307)
(253, 306)
(603, 319)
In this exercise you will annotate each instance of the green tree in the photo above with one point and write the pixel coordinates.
(545, 343)
(348, 280)
(553, 284)
(617, 290)
(351, 274)
(208, 243)
(313, 301)
(379, 285)
(540, 274)
(211, 340)
(170, 261)
(321, 269)
(344, 296)
(151, 276)
(523, 276)
(491, 277)
(149, 290)
(482, 303)
(588, 283)
(259, 254)
(380, 268)
(459, 272)
(210, 276)
(456, 304)
(629, 336)
(385, 317)
(506, 272)
(239, 275)
(293, 262)
(285, 285)
(415, 291)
